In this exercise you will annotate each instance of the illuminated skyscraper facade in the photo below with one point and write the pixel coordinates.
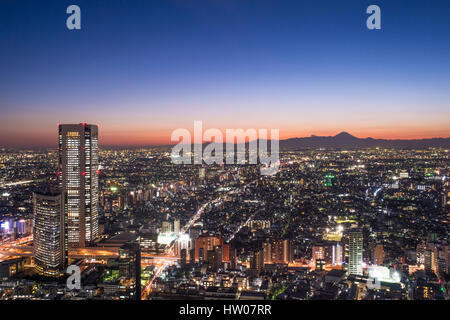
(279, 251)
(49, 241)
(78, 171)
(130, 269)
(355, 253)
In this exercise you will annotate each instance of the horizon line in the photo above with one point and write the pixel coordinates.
(207, 142)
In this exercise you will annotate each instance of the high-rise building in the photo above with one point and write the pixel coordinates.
(337, 255)
(355, 253)
(279, 251)
(330, 253)
(378, 254)
(49, 240)
(130, 269)
(78, 171)
(226, 248)
(431, 258)
(420, 252)
(257, 261)
(203, 244)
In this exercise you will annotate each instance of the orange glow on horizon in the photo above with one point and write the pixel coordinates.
(114, 136)
(163, 137)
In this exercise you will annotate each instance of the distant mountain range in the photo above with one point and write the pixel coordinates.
(346, 140)
(343, 140)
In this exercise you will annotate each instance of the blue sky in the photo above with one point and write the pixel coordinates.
(141, 69)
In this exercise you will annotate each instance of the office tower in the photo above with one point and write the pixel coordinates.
(267, 249)
(378, 254)
(288, 251)
(337, 255)
(257, 261)
(24, 226)
(78, 170)
(226, 247)
(328, 251)
(130, 269)
(49, 241)
(428, 259)
(355, 253)
(420, 252)
(279, 251)
(206, 243)
(431, 259)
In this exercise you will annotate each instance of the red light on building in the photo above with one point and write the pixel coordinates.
(83, 173)
(98, 171)
(58, 173)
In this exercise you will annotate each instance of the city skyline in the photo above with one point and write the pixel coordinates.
(146, 69)
(218, 232)
(227, 150)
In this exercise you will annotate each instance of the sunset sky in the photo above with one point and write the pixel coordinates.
(140, 69)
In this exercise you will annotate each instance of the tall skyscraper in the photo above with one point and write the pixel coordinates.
(355, 253)
(49, 241)
(78, 171)
(130, 269)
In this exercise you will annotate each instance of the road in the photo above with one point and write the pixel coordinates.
(170, 251)
(162, 261)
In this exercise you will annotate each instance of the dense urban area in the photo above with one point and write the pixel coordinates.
(356, 224)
